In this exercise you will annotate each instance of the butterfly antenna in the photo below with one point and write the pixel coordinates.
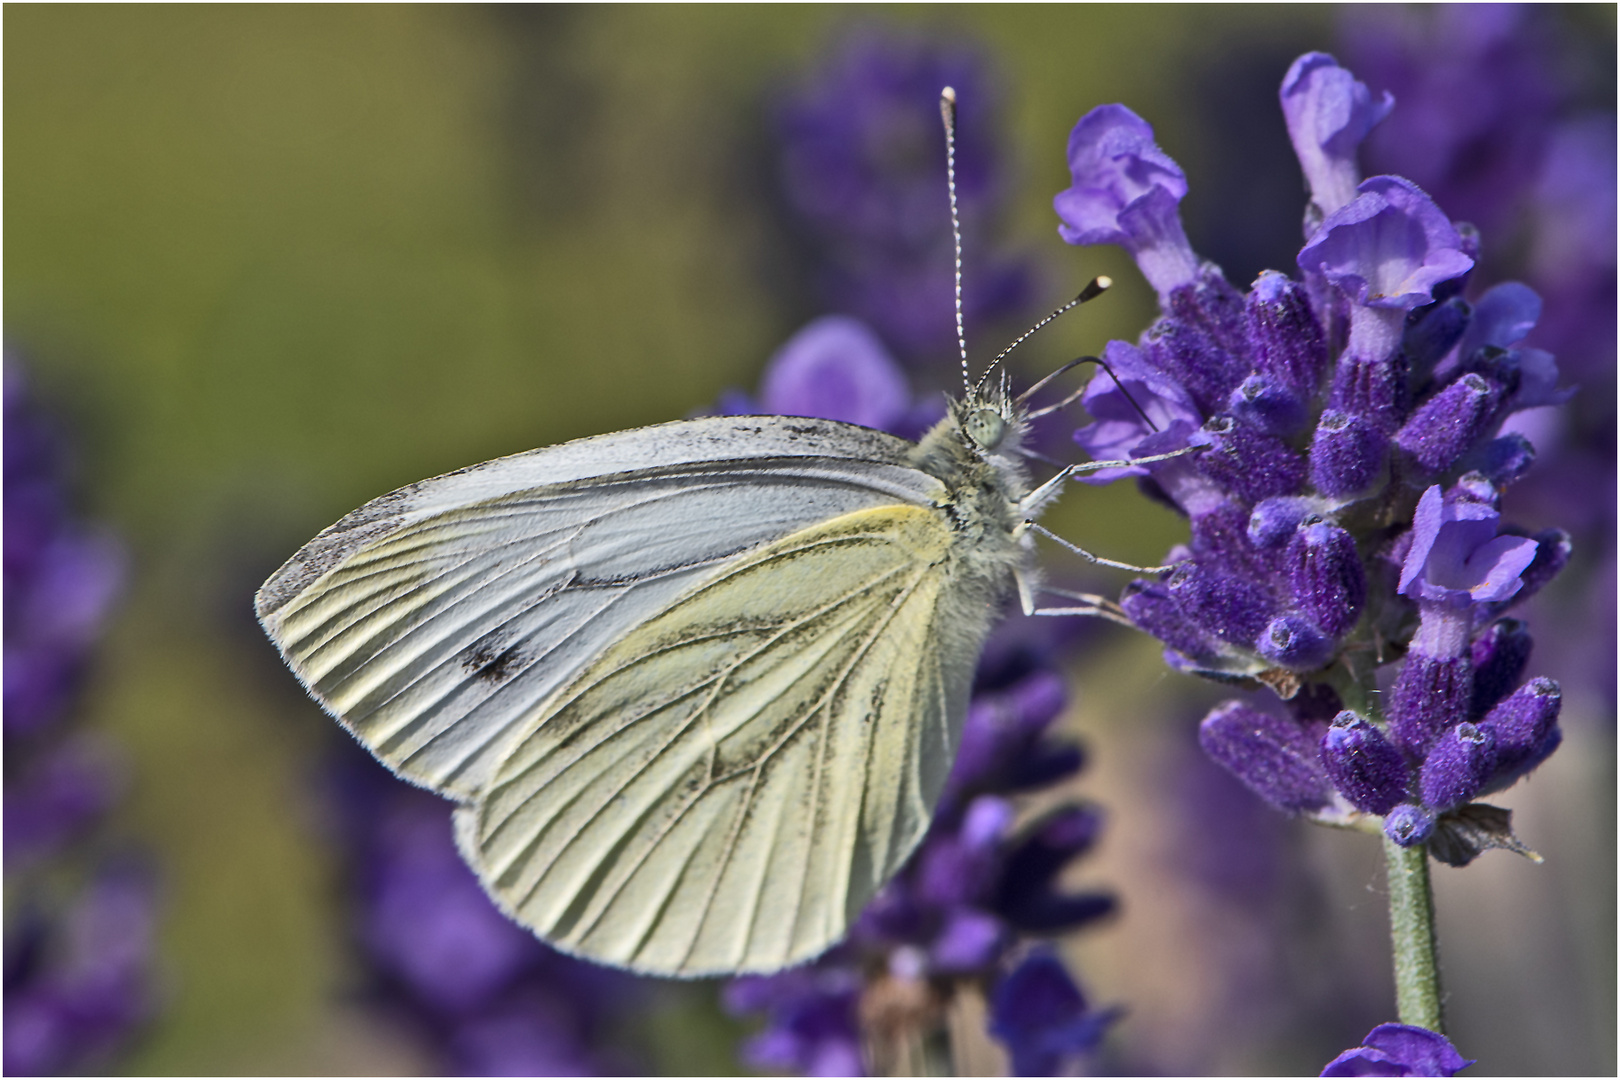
(947, 113)
(1095, 288)
(1072, 364)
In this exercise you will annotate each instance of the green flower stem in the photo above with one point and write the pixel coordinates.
(1411, 931)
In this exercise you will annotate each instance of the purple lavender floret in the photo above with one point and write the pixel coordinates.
(1329, 113)
(1127, 191)
(1343, 472)
(1399, 1050)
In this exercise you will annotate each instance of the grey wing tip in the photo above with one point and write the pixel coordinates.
(279, 588)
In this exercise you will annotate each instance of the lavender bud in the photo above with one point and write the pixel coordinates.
(1267, 405)
(1210, 303)
(1220, 537)
(1499, 656)
(1154, 610)
(1363, 764)
(1347, 454)
(1294, 642)
(1283, 333)
(1448, 424)
(1505, 459)
(1250, 464)
(1274, 521)
(1232, 609)
(1409, 825)
(1269, 754)
(1434, 333)
(1374, 388)
(1458, 766)
(1327, 577)
(1553, 548)
(1430, 695)
(1191, 358)
(1522, 722)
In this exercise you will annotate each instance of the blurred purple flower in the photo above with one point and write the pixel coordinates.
(486, 997)
(1476, 87)
(1399, 1050)
(836, 368)
(1040, 1014)
(79, 979)
(861, 168)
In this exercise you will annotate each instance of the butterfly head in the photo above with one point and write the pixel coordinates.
(990, 420)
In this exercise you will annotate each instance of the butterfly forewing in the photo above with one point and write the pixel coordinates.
(435, 621)
(726, 785)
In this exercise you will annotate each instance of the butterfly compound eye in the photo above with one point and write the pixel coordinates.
(986, 428)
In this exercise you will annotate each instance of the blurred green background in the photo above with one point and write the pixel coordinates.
(271, 262)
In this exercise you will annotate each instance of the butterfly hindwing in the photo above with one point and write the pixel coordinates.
(434, 620)
(726, 786)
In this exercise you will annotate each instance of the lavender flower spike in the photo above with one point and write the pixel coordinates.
(1386, 250)
(1128, 192)
(1328, 113)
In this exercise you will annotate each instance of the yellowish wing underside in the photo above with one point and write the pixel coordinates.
(726, 786)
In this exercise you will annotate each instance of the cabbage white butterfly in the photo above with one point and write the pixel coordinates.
(696, 687)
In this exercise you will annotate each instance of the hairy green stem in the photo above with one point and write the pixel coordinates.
(1411, 931)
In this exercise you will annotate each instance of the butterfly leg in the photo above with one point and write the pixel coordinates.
(1032, 503)
(1089, 603)
(1098, 559)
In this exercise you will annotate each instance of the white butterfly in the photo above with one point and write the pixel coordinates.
(695, 686)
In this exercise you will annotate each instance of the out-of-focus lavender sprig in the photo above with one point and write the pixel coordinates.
(79, 980)
(859, 168)
(1343, 475)
(1504, 121)
(483, 996)
(954, 920)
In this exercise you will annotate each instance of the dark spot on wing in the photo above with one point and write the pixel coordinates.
(487, 660)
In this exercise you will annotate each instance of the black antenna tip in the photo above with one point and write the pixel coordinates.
(1098, 285)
